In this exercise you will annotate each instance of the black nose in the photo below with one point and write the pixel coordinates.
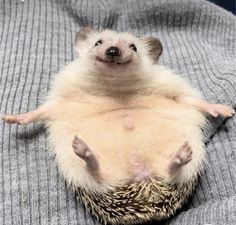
(113, 51)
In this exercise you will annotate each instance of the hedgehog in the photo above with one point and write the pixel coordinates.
(125, 131)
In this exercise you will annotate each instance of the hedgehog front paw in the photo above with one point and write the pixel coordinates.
(82, 150)
(217, 109)
(19, 119)
(181, 158)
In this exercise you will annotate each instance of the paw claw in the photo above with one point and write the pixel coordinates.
(76, 137)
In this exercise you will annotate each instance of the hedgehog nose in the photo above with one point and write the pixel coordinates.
(113, 52)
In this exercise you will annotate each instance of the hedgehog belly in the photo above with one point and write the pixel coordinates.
(136, 202)
(111, 135)
(152, 139)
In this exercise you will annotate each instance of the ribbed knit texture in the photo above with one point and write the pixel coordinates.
(36, 40)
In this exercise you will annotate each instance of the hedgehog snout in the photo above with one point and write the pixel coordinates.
(113, 52)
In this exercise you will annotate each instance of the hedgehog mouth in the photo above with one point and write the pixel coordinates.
(112, 62)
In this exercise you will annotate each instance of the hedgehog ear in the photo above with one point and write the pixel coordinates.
(82, 36)
(155, 48)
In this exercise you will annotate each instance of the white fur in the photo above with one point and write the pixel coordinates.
(91, 104)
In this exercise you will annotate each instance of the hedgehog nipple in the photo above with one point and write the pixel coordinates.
(139, 169)
(142, 174)
(128, 122)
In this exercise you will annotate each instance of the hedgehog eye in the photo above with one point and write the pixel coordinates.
(133, 47)
(99, 42)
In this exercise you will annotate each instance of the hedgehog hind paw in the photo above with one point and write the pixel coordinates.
(181, 158)
(82, 150)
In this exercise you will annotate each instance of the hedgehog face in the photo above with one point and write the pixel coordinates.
(109, 52)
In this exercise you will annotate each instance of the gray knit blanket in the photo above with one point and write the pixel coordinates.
(37, 38)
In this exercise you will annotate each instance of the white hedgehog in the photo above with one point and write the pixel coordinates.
(126, 131)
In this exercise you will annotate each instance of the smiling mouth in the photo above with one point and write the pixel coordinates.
(111, 62)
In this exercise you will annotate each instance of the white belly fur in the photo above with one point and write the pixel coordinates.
(157, 127)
